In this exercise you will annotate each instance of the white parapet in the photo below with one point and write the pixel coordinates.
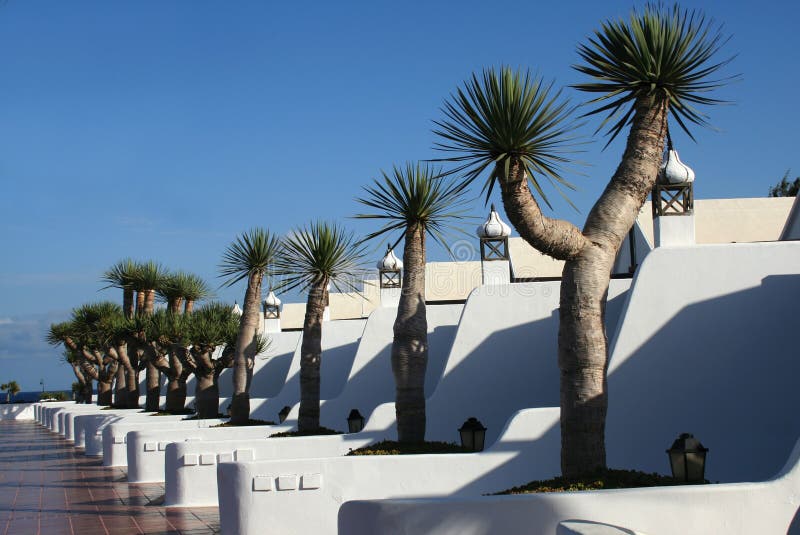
(674, 230)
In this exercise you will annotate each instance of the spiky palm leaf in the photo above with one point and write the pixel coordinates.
(503, 118)
(415, 194)
(213, 324)
(252, 252)
(165, 327)
(95, 322)
(318, 252)
(121, 275)
(660, 53)
(149, 275)
(195, 288)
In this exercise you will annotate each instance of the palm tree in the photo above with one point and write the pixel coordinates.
(313, 258)
(123, 275)
(150, 277)
(249, 257)
(194, 289)
(657, 63)
(412, 201)
(11, 388)
(84, 382)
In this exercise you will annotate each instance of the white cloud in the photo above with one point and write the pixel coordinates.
(6, 321)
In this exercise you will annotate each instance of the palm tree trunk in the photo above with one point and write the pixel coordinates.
(153, 378)
(127, 302)
(120, 389)
(140, 302)
(311, 357)
(87, 392)
(245, 351)
(582, 343)
(188, 306)
(410, 344)
(176, 391)
(149, 301)
(81, 394)
(174, 305)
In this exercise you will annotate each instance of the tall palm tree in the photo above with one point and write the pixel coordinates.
(414, 202)
(123, 275)
(657, 63)
(313, 258)
(150, 277)
(249, 257)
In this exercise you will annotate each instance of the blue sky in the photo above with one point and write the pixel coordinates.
(162, 129)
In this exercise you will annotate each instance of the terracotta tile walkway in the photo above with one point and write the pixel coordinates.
(48, 487)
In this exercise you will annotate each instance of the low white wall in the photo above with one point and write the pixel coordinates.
(17, 411)
(145, 449)
(732, 509)
(88, 428)
(280, 494)
(115, 440)
(190, 483)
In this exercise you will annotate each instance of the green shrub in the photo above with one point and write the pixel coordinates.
(316, 432)
(251, 421)
(52, 396)
(389, 447)
(601, 479)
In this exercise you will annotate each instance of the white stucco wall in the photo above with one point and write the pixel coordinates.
(369, 384)
(339, 343)
(706, 346)
(17, 411)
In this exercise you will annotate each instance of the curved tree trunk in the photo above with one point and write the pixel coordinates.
(311, 357)
(207, 390)
(246, 351)
(174, 305)
(153, 378)
(81, 394)
(149, 301)
(104, 394)
(188, 306)
(176, 389)
(120, 389)
(410, 344)
(582, 343)
(88, 392)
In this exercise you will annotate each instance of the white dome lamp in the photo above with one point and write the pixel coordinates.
(389, 268)
(272, 306)
(673, 193)
(494, 233)
(237, 309)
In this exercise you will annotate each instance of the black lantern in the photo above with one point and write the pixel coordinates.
(284, 413)
(473, 434)
(355, 422)
(687, 459)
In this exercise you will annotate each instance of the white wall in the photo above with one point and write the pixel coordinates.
(17, 411)
(707, 346)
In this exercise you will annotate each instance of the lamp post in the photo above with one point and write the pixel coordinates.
(355, 422)
(687, 459)
(473, 434)
(41, 382)
(284, 413)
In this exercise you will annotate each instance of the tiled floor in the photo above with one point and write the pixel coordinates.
(47, 487)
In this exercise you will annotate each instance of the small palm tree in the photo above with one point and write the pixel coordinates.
(312, 259)
(414, 202)
(150, 276)
(123, 275)
(194, 289)
(655, 64)
(250, 257)
(11, 388)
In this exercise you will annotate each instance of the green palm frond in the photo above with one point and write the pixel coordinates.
(251, 253)
(195, 288)
(149, 275)
(213, 324)
(165, 327)
(121, 275)
(415, 194)
(508, 117)
(59, 332)
(319, 252)
(96, 323)
(658, 53)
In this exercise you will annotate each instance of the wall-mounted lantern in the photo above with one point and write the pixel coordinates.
(272, 306)
(284, 413)
(687, 459)
(473, 434)
(355, 422)
(389, 268)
